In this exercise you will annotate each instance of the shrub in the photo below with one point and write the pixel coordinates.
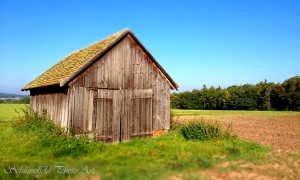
(198, 130)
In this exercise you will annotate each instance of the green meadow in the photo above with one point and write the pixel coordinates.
(34, 148)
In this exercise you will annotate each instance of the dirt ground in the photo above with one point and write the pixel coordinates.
(280, 132)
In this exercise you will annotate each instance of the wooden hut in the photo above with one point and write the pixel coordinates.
(113, 89)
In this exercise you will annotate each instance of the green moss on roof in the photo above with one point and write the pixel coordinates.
(74, 61)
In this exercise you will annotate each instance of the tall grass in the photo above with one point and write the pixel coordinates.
(52, 136)
(199, 130)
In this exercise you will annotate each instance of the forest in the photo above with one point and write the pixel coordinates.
(261, 96)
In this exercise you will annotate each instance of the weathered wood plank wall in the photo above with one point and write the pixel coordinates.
(54, 101)
(81, 109)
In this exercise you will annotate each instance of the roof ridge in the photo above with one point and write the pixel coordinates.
(119, 35)
(78, 50)
(119, 32)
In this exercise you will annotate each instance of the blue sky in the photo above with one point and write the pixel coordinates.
(217, 43)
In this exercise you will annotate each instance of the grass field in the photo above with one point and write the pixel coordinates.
(8, 111)
(169, 156)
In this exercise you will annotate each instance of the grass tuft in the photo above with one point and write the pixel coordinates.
(199, 130)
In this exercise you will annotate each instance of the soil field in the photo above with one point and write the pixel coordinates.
(280, 131)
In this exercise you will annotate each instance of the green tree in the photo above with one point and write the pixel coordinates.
(292, 90)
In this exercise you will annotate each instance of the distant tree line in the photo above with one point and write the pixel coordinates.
(262, 96)
(15, 101)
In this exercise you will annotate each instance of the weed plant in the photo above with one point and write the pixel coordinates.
(199, 130)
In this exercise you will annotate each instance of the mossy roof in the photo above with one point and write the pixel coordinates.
(70, 66)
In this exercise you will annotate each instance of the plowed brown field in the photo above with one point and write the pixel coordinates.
(281, 132)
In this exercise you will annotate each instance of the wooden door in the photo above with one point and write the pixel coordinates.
(140, 121)
(121, 115)
(107, 123)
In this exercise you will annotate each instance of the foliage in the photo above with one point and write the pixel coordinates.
(199, 130)
(262, 96)
(15, 101)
